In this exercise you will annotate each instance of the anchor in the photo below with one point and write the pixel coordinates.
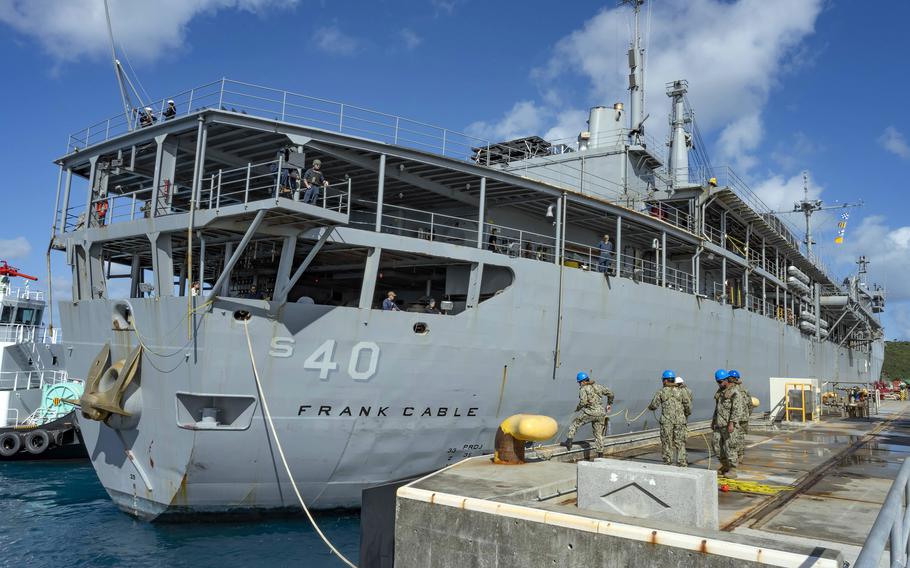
(98, 404)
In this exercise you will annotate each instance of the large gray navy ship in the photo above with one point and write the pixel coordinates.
(202, 265)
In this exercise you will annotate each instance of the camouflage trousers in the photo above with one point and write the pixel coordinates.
(673, 443)
(744, 426)
(729, 446)
(598, 424)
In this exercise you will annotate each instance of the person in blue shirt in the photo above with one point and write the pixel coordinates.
(389, 305)
(605, 259)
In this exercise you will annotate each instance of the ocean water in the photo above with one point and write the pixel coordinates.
(58, 514)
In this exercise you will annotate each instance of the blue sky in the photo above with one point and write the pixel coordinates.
(778, 86)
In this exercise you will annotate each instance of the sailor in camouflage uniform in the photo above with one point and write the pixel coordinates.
(729, 410)
(675, 407)
(687, 392)
(736, 378)
(590, 409)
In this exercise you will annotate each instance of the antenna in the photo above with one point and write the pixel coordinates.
(636, 75)
(863, 263)
(809, 206)
(118, 70)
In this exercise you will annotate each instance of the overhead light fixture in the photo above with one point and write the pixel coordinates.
(550, 212)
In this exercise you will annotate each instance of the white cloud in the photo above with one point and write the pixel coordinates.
(738, 140)
(780, 193)
(410, 38)
(893, 141)
(732, 54)
(446, 7)
(332, 40)
(525, 118)
(18, 247)
(73, 29)
(793, 153)
(897, 321)
(888, 250)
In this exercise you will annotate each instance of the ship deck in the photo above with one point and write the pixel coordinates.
(837, 473)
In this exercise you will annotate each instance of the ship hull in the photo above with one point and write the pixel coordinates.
(358, 398)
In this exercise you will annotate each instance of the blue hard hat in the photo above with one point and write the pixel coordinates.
(721, 374)
(581, 376)
(733, 373)
(668, 374)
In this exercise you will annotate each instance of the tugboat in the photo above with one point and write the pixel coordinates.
(36, 421)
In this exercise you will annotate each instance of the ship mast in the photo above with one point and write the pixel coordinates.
(636, 77)
(807, 207)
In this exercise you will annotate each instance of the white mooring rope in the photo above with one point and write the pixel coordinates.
(284, 461)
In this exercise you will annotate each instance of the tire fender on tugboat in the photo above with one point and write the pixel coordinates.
(37, 441)
(10, 444)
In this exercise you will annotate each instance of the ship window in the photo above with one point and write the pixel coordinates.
(25, 315)
(420, 328)
(7, 315)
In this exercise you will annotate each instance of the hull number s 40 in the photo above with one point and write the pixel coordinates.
(362, 361)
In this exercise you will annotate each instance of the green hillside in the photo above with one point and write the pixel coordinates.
(897, 360)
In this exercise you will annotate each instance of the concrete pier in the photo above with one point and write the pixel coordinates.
(809, 495)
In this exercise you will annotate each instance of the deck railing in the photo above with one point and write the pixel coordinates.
(21, 293)
(17, 380)
(892, 526)
(22, 333)
(252, 182)
(288, 106)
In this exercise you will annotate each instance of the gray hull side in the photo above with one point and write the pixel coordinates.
(625, 332)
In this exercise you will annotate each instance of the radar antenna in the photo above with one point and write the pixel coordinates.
(809, 206)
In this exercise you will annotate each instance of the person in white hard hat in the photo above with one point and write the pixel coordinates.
(170, 111)
(681, 384)
(146, 117)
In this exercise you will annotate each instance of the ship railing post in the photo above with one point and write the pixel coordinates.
(349, 198)
(432, 225)
(189, 105)
(133, 208)
(618, 247)
(284, 102)
(397, 122)
(341, 117)
(211, 189)
(218, 196)
(246, 188)
(325, 192)
(444, 132)
(107, 130)
(278, 177)
(481, 211)
(221, 95)
(380, 192)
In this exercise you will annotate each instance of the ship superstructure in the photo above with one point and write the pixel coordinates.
(504, 236)
(31, 356)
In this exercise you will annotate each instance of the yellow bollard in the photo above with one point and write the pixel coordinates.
(514, 431)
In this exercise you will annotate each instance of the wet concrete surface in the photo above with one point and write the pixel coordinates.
(839, 506)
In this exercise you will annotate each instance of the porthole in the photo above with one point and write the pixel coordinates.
(420, 328)
(242, 315)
